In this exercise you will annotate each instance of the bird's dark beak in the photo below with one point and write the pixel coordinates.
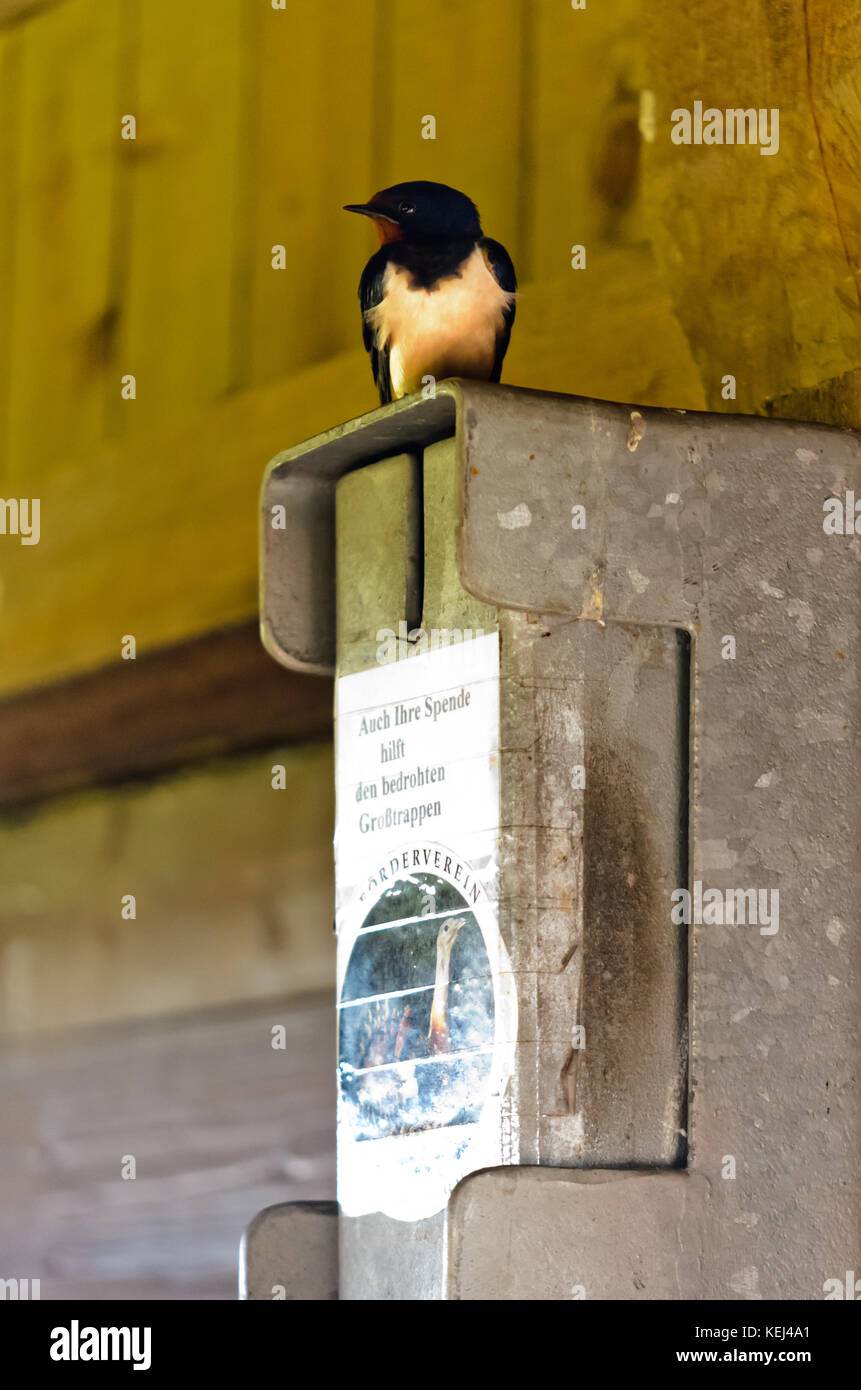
(368, 210)
(388, 228)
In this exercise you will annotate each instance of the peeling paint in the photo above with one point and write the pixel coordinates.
(834, 931)
(797, 608)
(770, 590)
(637, 431)
(639, 581)
(716, 854)
(594, 606)
(517, 517)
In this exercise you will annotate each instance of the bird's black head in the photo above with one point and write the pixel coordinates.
(421, 211)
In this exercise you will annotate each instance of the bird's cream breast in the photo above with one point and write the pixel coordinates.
(448, 331)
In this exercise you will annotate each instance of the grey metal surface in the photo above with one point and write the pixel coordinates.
(712, 526)
(297, 564)
(585, 871)
(578, 1235)
(290, 1252)
(686, 513)
(615, 1234)
(586, 877)
(716, 525)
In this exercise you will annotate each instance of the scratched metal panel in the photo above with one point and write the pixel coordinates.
(710, 527)
(297, 558)
(586, 870)
(587, 875)
(290, 1253)
(599, 1234)
(716, 525)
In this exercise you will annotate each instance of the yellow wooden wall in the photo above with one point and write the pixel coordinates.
(254, 125)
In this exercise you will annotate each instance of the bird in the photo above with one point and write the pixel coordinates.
(439, 1039)
(438, 298)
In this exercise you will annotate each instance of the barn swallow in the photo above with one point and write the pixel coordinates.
(438, 298)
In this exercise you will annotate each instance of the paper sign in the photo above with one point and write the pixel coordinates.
(427, 1018)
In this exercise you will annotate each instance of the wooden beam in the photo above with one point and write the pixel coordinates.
(222, 1124)
(221, 692)
(232, 882)
(834, 402)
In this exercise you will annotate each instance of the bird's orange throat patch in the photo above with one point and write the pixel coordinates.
(387, 231)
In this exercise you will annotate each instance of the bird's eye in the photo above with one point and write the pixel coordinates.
(406, 208)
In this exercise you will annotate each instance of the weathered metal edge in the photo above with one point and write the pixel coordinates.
(314, 467)
(493, 580)
(307, 474)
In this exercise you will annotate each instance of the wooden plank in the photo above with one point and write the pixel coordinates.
(157, 536)
(752, 246)
(583, 182)
(835, 96)
(464, 65)
(10, 53)
(309, 150)
(232, 880)
(219, 1123)
(175, 333)
(611, 332)
(219, 693)
(67, 138)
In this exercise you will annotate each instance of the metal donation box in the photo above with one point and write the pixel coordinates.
(597, 815)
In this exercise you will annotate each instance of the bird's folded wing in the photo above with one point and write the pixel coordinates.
(500, 265)
(370, 294)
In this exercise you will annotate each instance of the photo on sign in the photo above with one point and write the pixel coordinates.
(416, 1014)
